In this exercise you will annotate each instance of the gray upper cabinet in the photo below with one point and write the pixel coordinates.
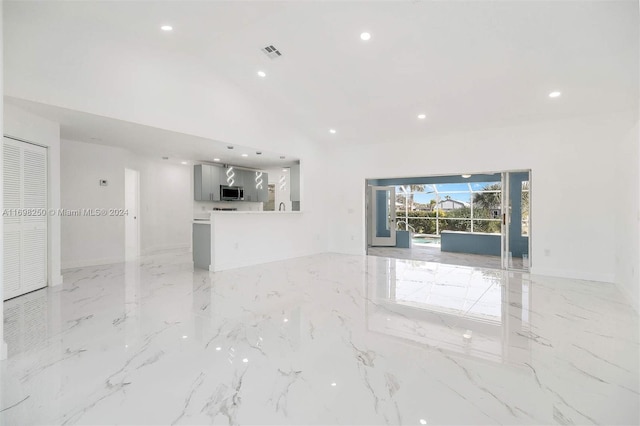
(208, 178)
(250, 193)
(263, 189)
(230, 176)
(255, 186)
(206, 183)
(294, 182)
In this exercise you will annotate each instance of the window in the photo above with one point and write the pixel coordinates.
(431, 209)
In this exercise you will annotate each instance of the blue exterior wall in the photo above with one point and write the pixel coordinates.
(403, 239)
(466, 242)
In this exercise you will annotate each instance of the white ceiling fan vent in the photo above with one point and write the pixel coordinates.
(271, 52)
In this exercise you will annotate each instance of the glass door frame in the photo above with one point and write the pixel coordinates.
(390, 214)
(507, 207)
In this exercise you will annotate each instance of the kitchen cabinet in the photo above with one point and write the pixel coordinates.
(263, 190)
(206, 183)
(294, 182)
(208, 178)
(231, 176)
(255, 186)
(250, 192)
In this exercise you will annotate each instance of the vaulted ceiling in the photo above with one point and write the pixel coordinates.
(465, 65)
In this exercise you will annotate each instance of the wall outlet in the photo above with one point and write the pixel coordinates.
(103, 182)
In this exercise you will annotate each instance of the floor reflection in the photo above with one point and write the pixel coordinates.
(478, 312)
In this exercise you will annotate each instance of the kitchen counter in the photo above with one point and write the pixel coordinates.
(255, 212)
(207, 221)
(232, 239)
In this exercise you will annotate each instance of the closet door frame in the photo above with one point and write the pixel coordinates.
(32, 222)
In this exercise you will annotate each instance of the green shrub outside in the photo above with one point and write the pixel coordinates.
(424, 222)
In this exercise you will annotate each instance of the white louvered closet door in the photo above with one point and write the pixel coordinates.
(25, 225)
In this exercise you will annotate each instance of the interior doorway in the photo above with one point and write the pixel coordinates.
(478, 220)
(132, 217)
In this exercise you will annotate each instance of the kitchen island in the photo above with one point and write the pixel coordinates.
(233, 239)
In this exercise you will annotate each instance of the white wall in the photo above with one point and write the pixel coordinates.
(627, 224)
(165, 203)
(572, 164)
(23, 125)
(92, 240)
(178, 94)
(3, 345)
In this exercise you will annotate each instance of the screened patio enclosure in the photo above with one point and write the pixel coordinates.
(483, 214)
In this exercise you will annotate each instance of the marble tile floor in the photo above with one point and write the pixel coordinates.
(432, 253)
(324, 339)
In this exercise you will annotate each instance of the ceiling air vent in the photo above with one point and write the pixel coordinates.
(271, 52)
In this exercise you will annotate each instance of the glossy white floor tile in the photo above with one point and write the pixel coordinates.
(433, 253)
(327, 339)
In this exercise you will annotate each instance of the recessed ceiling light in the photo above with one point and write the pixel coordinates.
(184, 162)
(216, 159)
(165, 158)
(262, 74)
(422, 116)
(423, 422)
(245, 155)
(258, 153)
(245, 360)
(332, 131)
(282, 157)
(365, 36)
(184, 337)
(166, 28)
(466, 176)
(555, 94)
(334, 384)
(230, 147)
(284, 170)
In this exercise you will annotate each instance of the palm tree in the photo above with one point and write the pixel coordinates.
(407, 193)
(489, 200)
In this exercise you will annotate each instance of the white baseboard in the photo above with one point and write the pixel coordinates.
(73, 264)
(90, 262)
(3, 350)
(576, 275)
(57, 280)
(244, 262)
(166, 248)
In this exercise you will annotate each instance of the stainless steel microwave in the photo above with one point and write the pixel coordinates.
(231, 193)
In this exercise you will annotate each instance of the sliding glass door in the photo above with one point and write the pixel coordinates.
(516, 224)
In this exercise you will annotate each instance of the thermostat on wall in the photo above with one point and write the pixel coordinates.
(103, 182)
